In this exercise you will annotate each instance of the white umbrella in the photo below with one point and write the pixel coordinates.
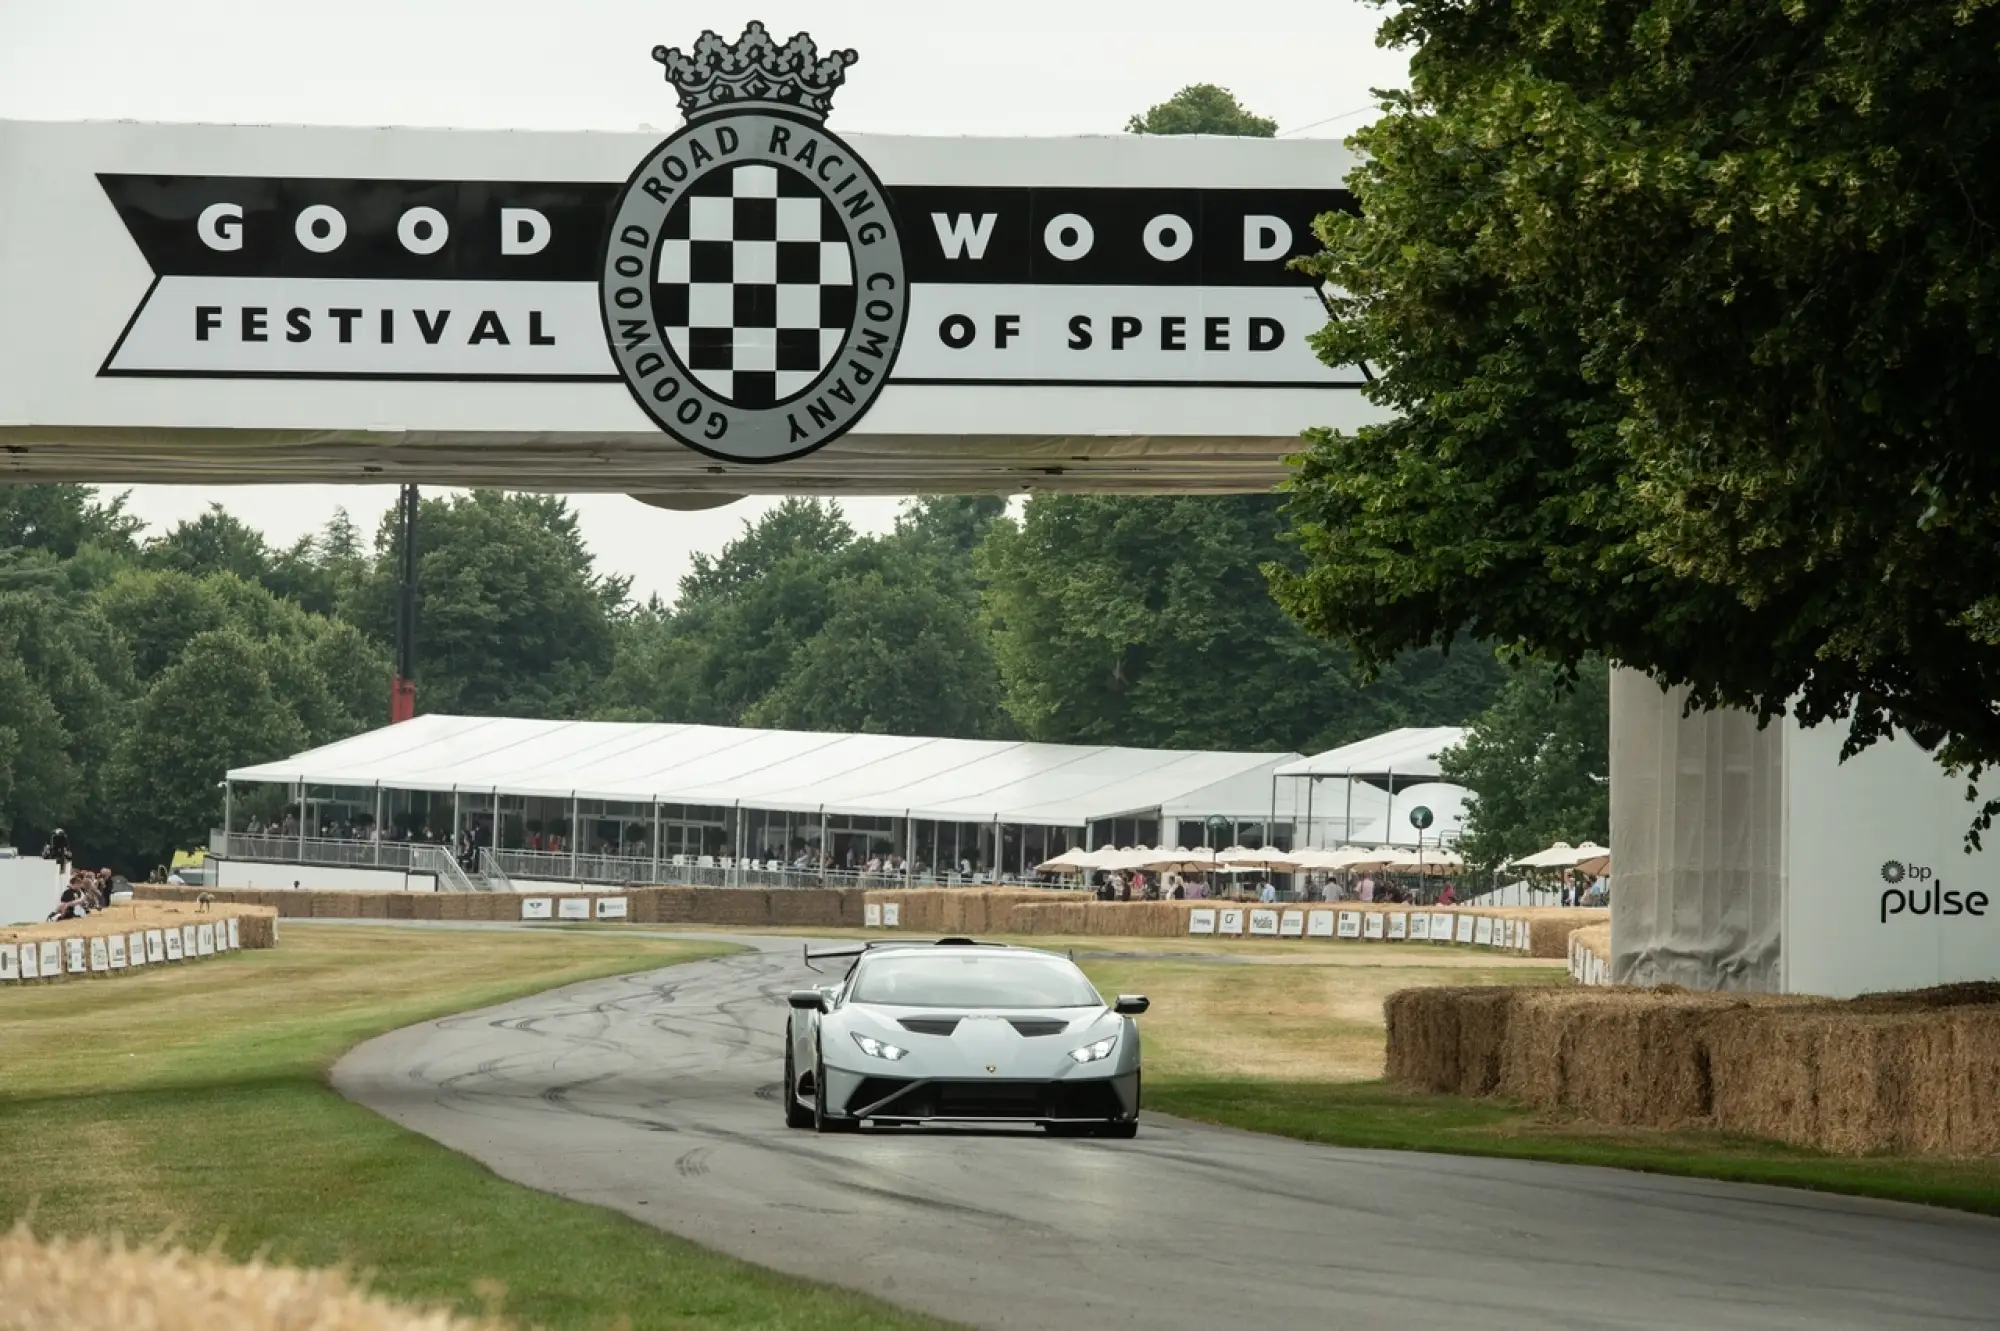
(1559, 856)
(1074, 860)
(1268, 858)
(1428, 861)
(1180, 860)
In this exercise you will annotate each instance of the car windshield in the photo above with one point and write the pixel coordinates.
(972, 980)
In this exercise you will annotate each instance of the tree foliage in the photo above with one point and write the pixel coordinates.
(1538, 764)
(1202, 108)
(1146, 621)
(1687, 315)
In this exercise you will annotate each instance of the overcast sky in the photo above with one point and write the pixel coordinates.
(1019, 67)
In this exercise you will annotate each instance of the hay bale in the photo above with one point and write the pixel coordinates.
(805, 906)
(84, 1284)
(257, 927)
(1905, 1074)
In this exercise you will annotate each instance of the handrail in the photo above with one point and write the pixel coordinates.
(495, 876)
(440, 861)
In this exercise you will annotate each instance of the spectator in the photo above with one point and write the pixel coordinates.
(1269, 895)
(1449, 896)
(58, 850)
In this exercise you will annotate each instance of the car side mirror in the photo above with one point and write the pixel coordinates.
(1130, 1005)
(808, 1000)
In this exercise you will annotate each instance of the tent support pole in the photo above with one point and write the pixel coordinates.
(1311, 783)
(909, 845)
(739, 845)
(656, 838)
(378, 822)
(575, 817)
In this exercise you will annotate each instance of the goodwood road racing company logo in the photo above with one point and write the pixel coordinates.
(753, 289)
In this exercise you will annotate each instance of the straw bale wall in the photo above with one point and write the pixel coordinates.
(129, 938)
(1906, 1074)
(747, 908)
(85, 1284)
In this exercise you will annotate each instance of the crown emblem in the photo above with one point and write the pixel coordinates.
(754, 72)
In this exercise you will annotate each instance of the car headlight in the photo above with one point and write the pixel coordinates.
(1090, 1053)
(875, 1048)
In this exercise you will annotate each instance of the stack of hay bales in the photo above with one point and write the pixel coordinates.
(1915, 1073)
(86, 1284)
(960, 910)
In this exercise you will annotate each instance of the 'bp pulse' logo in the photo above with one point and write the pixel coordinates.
(753, 289)
(1915, 889)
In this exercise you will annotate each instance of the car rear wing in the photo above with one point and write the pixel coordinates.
(847, 950)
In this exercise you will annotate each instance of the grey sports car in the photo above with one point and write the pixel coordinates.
(961, 1032)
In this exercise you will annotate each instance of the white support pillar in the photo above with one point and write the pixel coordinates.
(377, 838)
(228, 809)
(575, 817)
(656, 838)
(909, 847)
(825, 852)
(493, 838)
(302, 820)
(739, 845)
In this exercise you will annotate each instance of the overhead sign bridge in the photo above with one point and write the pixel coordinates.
(752, 304)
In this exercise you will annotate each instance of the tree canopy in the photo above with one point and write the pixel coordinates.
(1687, 316)
(1202, 108)
(1537, 763)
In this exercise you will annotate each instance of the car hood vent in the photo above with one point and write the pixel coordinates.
(1033, 1026)
(930, 1025)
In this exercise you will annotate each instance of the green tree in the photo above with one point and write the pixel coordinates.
(1687, 318)
(215, 542)
(513, 617)
(213, 709)
(1201, 108)
(63, 519)
(37, 779)
(896, 654)
(155, 612)
(1538, 763)
(1123, 620)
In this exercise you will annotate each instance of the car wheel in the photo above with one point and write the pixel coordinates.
(821, 1120)
(796, 1114)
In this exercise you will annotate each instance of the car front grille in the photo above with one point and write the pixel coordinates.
(1026, 1100)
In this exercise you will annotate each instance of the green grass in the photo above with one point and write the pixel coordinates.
(1372, 1114)
(192, 1101)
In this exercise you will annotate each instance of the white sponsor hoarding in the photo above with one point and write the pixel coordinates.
(1319, 924)
(1880, 893)
(1201, 921)
(1264, 923)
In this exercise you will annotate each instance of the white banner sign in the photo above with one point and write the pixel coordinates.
(538, 908)
(871, 916)
(10, 962)
(1399, 924)
(1292, 924)
(611, 908)
(189, 945)
(1371, 924)
(31, 961)
(1319, 924)
(1482, 930)
(1420, 926)
(100, 955)
(1350, 924)
(1201, 921)
(1465, 927)
(1441, 926)
(1230, 921)
(115, 945)
(156, 945)
(1264, 923)
(235, 933)
(135, 948)
(573, 908)
(176, 943)
(204, 940)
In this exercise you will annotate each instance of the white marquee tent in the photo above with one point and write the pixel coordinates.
(979, 781)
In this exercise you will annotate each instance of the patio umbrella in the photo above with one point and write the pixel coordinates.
(1180, 860)
(1267, 858)
(1559, 856)
(1074, 860)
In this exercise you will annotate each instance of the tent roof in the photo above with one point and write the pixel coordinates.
(1410, 751)
(962, 780)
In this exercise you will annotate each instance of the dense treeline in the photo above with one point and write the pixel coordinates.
(133, 672)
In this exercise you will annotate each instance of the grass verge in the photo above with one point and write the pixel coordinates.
(1372, 1114)
(193, 1101)
(1298, 1051)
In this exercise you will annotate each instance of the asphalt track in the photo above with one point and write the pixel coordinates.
(655, 1095)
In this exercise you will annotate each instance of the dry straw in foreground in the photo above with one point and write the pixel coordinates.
(87, 1285)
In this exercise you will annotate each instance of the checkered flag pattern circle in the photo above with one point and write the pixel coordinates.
(754, 285)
